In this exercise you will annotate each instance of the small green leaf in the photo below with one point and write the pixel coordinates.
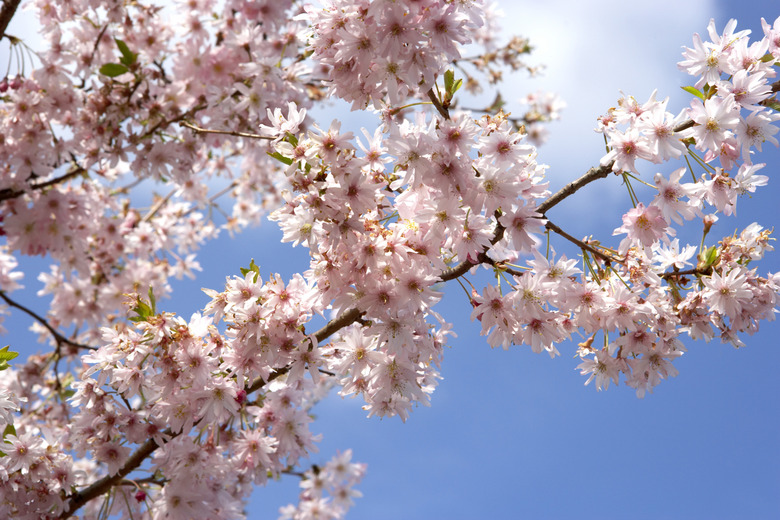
(143, 310)
(6, 356)
(449, 78)
(281, 158)
(457, 85)
(128, 57)
(291, 139)
(9, 430)
(152, 300)
(708, 258)
(113, 70)
(693, 90)
(773, 104)
(253, 268)
(767, 58)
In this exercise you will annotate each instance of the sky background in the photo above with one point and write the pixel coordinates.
(513, 434)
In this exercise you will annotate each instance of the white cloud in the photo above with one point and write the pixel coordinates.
(592, 50)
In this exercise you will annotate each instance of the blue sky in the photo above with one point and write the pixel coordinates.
(512, 434)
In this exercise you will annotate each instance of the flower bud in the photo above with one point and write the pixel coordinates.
(17, 82)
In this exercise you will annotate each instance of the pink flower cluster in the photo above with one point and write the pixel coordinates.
(383, 52)
(138, 413)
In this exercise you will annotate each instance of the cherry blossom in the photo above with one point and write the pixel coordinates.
(134, 138)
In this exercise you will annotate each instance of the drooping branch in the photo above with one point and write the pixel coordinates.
(59, 338)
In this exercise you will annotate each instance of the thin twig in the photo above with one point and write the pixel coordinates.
(584, 245)
(159, 204)
(200, 130)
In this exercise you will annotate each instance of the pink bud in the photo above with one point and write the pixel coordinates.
(3, 85)
(17, 82)
(140, 495)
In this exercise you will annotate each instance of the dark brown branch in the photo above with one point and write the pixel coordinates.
(7, 13)
(687, 272)
(59, 338)
(439, 107)
(348, 318)
(463, 267)
(7, 194)
(77, 500)
(592, 175)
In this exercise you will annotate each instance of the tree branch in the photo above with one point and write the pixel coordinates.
(59, 338)
(7, 13)
(199, 130)
(77, 500)
(436, 103)
(7, 193)
(584, 245)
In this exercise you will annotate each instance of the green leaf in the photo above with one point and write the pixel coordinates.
(457, 85)
(6, 356)
(449, 78)
(767, 58)
(128, 57)
(253, 268)
(281, 158)
(113, 70)
(291, 139)
(152, 300)
(708, 258)
(9, 430)
(142, 309)
(773, 104)
(693, 90)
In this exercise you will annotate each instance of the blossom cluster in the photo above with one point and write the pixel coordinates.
(139, 413)
(730, 116)
(377, 52)
(169, 418)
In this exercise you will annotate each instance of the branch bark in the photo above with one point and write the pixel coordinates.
(7, 13)
(79, 499)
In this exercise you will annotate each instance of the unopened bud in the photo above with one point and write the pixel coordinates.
(16, 83)
(709, 221)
